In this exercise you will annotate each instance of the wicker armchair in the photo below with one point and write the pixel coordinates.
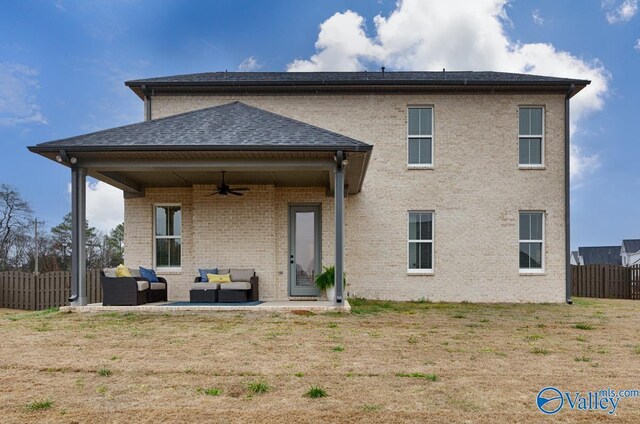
(123, 291)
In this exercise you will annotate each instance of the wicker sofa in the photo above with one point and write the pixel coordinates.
(244, 287)
(130, 291)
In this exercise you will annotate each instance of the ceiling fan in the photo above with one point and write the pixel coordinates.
(224, 190)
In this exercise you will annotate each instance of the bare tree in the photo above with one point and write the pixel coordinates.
(15, 218)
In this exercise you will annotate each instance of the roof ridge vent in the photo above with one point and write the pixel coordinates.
(382, 69)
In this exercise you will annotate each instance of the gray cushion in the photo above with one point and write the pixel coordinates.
(241, 274)
(110, 272)
(223, 270)
(204, 286)
(157, 286)
(236, 285)
(142, 285)
(135, 272)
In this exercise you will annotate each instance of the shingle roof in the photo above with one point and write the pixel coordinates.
(232, 126)
(600, 255)
(631, 246)
(357, 78)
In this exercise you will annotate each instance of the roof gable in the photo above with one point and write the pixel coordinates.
(631, 245)
(232, 126)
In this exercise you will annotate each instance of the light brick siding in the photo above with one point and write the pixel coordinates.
(475, 190)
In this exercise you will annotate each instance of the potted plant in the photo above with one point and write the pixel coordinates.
(326, 281)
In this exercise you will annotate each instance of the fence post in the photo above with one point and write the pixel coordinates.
(605, 281)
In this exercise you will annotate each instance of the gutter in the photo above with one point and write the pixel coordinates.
(567, 192)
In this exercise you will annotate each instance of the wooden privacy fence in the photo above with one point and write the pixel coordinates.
(24, 290)
(606, 281)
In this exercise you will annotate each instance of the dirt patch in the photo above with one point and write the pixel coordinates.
(386, 362)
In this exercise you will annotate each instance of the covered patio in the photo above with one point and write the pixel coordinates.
(271, 154)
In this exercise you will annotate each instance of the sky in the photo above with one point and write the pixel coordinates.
(63, 64)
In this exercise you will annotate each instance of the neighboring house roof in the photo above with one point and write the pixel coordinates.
(232, 126)
(631, 246)
(575, 257)
(404, 78)
(600, 255)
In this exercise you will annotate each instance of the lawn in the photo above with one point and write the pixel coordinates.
(385, 362)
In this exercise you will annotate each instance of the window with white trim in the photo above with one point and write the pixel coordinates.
(420, 241)
(531, 241)
(531, 136)
(168, 236)
(420, 136)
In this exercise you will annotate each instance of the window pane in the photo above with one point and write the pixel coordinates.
(426, 225)
(425, 151)
(531, 255)
(414, 151)
(174, 220)
(525, 121)
(525, 226)
(535, 151)
(414, 226)
(161, 220)
(175, 247)
(413, 256)
(162, 252)
(536, 226)
(425, 121)
(536, 121)
(414, 121)
(523, 157)
(425, 255)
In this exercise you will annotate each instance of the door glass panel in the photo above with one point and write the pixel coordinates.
(305, 245)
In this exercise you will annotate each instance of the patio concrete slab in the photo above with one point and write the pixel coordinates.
(268, 306)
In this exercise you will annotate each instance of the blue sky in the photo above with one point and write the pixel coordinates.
(63, 64)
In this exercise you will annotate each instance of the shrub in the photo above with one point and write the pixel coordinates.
(259, 387)
(316, 392)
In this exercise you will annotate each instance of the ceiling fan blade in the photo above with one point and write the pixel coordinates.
(240, 189)
(214, 193)
(235, 193)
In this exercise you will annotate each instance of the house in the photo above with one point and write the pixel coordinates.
(599, 255)
(630, 252)
(447, 186)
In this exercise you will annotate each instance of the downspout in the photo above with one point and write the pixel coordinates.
(567, 192)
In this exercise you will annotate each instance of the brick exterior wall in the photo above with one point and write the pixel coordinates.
(475, 190)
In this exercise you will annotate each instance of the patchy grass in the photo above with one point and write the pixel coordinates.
(258, 387)
(583, 326)
(104, 372)
(210, 391)
(430, 377)
(168, 368)
(338, 348)
(39, 405)
(316, 392)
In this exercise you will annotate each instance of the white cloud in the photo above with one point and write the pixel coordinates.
(18, 104)
(623, 13)
(105, 205)
(637, 46)
(249, 64)
(459, 35)
(537, 17)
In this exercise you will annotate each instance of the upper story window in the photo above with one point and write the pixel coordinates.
(531, 136)
(531, 241)
(168, 236)
(420, 136)
(420, 241)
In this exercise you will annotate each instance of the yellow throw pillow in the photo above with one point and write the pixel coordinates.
(122, 271)
(219, 278)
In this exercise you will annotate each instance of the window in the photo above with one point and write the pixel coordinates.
(420, 241)
(531, 241)
(420, 136)
(531, 136)
(168, 236)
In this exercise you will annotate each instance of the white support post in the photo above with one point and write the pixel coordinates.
(78, 235)
(339, 221)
